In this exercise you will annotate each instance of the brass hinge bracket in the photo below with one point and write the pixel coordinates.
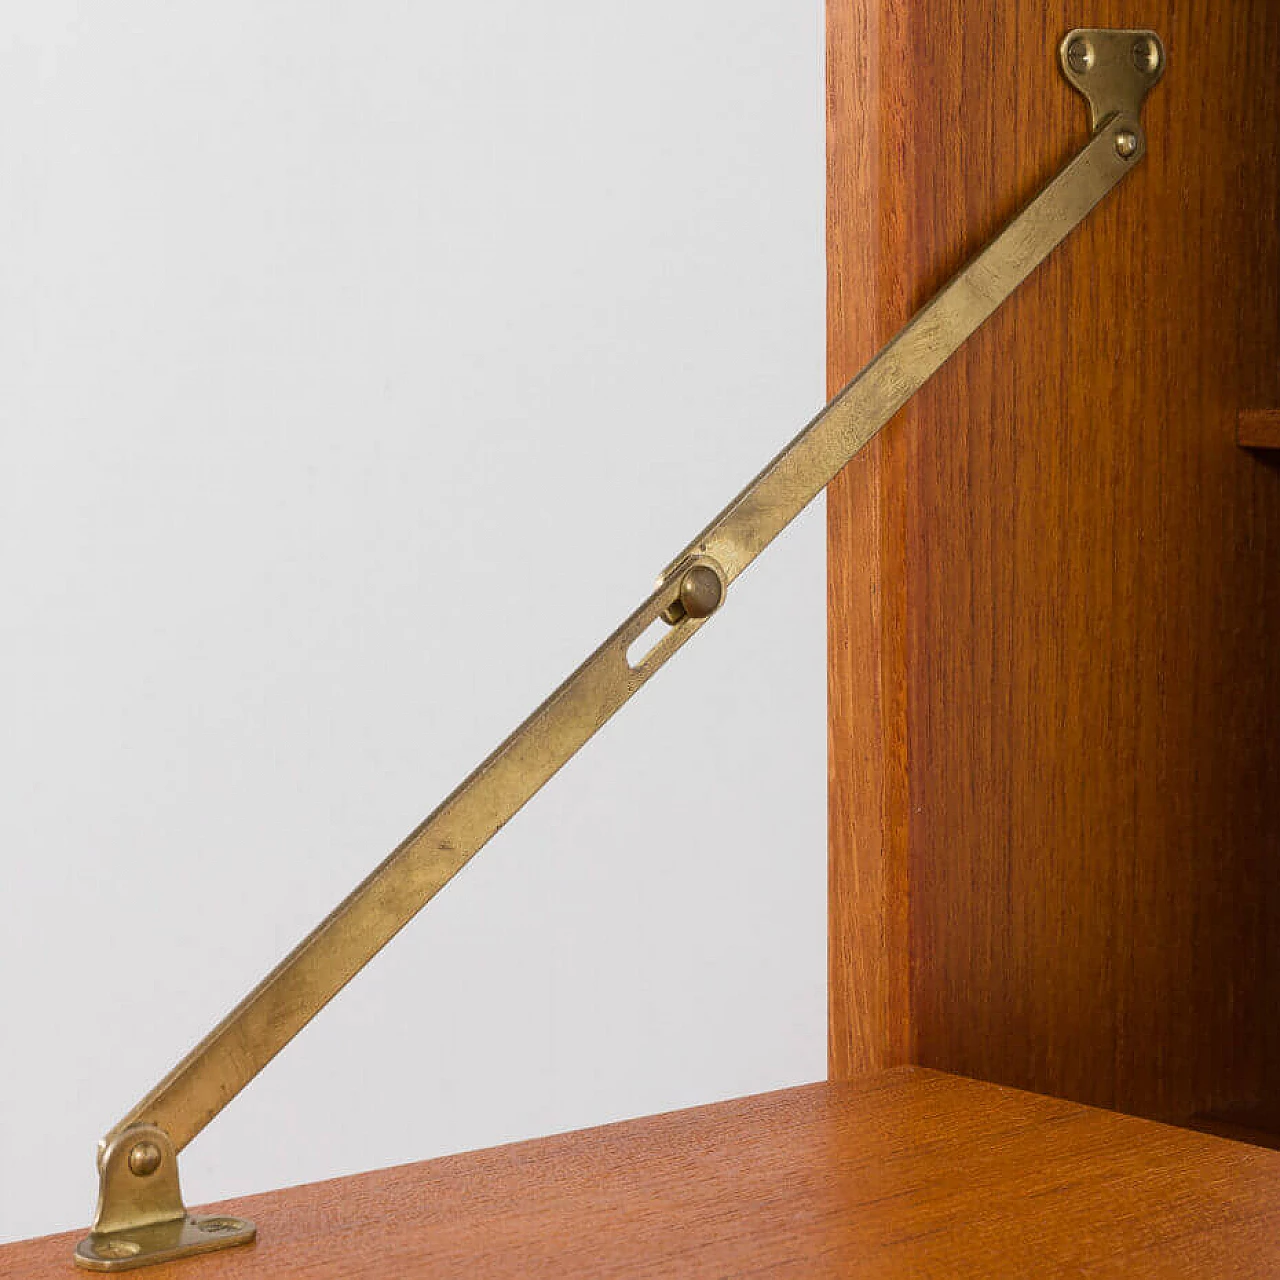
(141, 1217)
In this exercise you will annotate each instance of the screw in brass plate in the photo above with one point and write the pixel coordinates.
(1080, 55)
(1126, 144)
(1146, 55)
(144, 1159)
(701, 592)
(115, 1249)
(220, 1226)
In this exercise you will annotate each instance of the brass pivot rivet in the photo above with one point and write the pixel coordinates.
(1126, 144)
(701, 592)
(1146, 55)
(1080, 55)
(144, 1159)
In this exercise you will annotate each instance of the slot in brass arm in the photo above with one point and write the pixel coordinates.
(141, 1217)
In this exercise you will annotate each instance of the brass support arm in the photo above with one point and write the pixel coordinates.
(141, 1217)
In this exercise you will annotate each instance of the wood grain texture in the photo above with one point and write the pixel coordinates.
(1258, 429)
(904, 1173)
(1054, 752)
(868, 992)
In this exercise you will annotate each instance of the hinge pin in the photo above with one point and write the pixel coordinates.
(144, 1159)
(701, 592)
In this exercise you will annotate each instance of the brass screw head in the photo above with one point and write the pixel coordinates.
(701, 592)
(219, 1226)
(1126, 144)
(117, 1249)
(1080, 55)
(144, 1159)
(1146, 55)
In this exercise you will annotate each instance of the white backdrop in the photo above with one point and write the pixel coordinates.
(360, 367)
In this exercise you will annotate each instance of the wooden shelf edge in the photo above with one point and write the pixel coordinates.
(1258, 429)
(902, 1172)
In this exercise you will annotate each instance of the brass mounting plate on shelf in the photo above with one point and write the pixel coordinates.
(141, 1217)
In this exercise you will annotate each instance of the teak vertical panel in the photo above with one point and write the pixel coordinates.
(1055, 581)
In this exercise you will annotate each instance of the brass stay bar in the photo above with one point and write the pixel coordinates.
(141, 1217)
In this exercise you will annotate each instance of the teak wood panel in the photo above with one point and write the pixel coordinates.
(908, 1173)
(1054, 586)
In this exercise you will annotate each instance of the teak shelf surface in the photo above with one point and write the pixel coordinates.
(903, 1173)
